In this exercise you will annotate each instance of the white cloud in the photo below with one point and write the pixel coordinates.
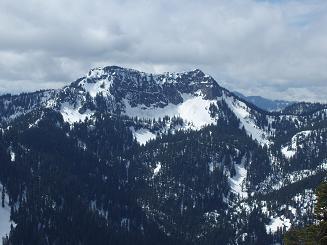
(270, 48)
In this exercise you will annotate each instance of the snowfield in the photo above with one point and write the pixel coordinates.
(142, 135)
(242, 111)
(289, 150)
(237, 183)
(194, 111)
(72, 115)
(4, 217)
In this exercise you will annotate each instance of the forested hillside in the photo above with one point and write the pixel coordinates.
(125, 157)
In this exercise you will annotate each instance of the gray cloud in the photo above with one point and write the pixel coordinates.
(272, 48)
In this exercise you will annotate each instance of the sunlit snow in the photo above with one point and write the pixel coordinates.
(278, 222)
(157, 169)
(4, 217)
(278, 181)
(211, 166)
(241, 110)
(142, 135)
(71, 114)
(12, 155)
(237, 183)
(289, 150)
(194, 111)
(98, 87)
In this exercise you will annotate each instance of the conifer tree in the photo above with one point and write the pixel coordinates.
(316, 233)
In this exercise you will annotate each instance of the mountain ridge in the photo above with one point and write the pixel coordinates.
(266, 104)
(161, 153)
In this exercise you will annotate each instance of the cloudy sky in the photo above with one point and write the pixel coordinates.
(276, 48)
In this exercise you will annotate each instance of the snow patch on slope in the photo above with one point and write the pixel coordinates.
(242, 111)
(157, 169)
(12, 156)
(305, 201)
(278, 181)
(4, 216)
(99, 87)
(278, 222)
(96, 73)
(142, 135)
(237, 183)
(72, 115)
(194, 111)
(289, 150)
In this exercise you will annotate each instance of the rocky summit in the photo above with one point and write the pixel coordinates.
(127, 157)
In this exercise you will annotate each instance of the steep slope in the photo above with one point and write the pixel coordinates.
(190, 96)
(156, 158)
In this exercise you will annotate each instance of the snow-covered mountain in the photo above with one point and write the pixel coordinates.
(160, 150)
(121, 91)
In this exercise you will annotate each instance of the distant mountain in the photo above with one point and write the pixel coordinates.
(304, 108)
(264, 103)
(120, 156)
